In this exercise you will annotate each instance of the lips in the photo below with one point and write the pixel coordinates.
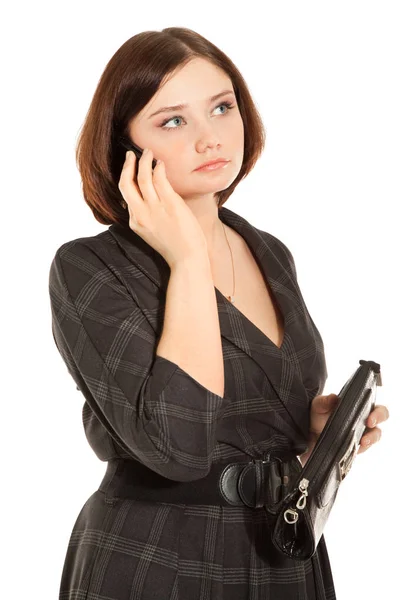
(212, 162)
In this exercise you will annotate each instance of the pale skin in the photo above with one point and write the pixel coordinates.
(204, 130)
(203, 133)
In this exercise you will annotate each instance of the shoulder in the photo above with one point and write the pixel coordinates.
(85, 247)
(84, 260)
(278, 245)
(105, 250)
(280, 250)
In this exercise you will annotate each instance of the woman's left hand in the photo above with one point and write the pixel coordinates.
(322, 407)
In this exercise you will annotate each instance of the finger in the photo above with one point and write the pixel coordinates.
(370, 438)
(334, 399)
(325, 404)
(145, 178)
(127, 185)
(378, 415)
(131, 193)
(163, 186)
(384, 411)
(164, 190)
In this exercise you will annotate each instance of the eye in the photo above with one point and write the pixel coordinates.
(228, 105)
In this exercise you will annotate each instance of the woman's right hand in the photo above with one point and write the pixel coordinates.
(157, 213)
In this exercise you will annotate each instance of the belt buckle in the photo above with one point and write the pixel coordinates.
(252, 484)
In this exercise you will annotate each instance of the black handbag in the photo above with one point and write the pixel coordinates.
(298, 521)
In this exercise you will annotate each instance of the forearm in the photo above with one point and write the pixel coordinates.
(191, 334)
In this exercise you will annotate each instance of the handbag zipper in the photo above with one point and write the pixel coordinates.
(291, 515)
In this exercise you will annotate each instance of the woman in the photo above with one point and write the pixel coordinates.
(184, 327)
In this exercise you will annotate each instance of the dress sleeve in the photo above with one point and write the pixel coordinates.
(157, 412)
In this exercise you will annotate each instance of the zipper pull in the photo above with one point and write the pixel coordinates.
(301, 502)
(291, 515)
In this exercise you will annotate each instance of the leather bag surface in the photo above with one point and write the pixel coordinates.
(298, 520)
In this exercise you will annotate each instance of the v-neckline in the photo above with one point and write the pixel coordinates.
(154, 266)
(264, 271)
(243, 316)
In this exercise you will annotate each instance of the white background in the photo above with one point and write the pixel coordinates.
(325, 77)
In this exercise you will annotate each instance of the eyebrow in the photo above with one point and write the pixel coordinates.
(181, 106)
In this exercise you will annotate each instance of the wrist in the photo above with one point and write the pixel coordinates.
(198, 260)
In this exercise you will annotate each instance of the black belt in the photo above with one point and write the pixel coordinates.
(253, 483)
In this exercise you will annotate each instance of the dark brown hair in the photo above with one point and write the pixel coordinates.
(129, 81)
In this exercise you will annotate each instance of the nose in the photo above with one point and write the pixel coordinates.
(207, 134)
(207, 139)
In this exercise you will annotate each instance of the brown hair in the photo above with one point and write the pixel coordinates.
(129, 81)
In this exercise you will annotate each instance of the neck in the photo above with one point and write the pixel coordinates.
(212, 227)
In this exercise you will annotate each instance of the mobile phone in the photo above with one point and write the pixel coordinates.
(128, 145)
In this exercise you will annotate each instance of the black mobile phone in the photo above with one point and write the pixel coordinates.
(128, 145)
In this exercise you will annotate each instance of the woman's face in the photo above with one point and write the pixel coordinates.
(204, 130)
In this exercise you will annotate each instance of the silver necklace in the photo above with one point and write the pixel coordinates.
(230, 298)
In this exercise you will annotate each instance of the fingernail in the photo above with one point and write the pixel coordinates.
(145, 151)
(373, 422)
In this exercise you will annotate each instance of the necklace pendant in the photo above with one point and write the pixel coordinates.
(231, 299)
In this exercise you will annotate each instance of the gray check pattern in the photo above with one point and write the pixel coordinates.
(107, 295)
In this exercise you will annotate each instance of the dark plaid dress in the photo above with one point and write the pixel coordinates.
(108, 298)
